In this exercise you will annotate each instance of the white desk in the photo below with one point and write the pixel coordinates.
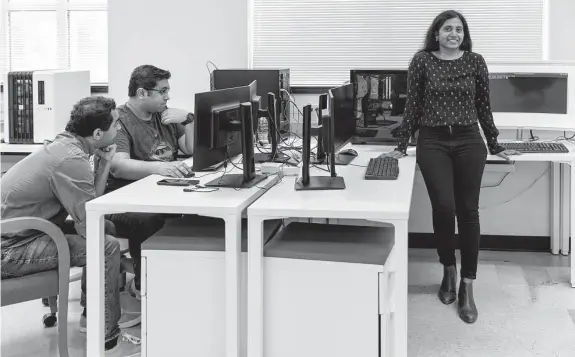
(19, 148)
(146, 196)
(381, 201)
(562, 198)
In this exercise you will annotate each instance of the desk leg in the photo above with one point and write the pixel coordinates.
(399, 319)
(233, 249)
(555, 206)
(565, 207)
(572, 227)
(95, 283)
(255, 287)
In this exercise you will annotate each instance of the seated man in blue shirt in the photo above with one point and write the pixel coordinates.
(54, 182)
(149, 138)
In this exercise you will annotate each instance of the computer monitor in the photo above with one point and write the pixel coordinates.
(321, 146)
(533, 95)
(273, 132)
(307, 182)
(379, 97)
(248, 178)
(216, 138)
(341, 111)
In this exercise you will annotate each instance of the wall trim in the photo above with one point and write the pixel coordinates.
(490, 242)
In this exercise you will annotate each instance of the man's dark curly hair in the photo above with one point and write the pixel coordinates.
(146, 76)
(89, 114)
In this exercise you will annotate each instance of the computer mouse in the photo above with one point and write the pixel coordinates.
(350, 152)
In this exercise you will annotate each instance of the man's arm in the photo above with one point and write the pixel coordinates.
(186, 141)
(102, 160)
(124, 167)
(73, 183)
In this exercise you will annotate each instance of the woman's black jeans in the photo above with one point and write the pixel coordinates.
(451, 160)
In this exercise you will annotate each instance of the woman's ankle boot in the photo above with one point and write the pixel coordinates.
(448, 285)
(466, 304)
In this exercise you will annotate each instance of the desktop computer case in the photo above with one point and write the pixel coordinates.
(268, 80)
(38, 103)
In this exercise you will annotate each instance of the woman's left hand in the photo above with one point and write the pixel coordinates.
(506, 153)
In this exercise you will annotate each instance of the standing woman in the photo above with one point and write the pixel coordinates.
(447, 96)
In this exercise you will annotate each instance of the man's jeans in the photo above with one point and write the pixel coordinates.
(136, 227)
(42, 255)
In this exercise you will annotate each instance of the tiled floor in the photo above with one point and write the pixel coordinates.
(526, 307)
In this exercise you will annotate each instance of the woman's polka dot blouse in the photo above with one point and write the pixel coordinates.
(448, 92)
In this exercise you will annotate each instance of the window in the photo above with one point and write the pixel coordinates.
(48, 34)
(321, 40)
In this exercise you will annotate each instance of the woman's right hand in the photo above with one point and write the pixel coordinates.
(394, 154)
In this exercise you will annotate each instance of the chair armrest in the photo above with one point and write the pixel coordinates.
(54, 232)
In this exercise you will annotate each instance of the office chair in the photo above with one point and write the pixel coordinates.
(48, 283)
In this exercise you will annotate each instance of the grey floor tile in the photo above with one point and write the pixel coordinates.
(511, 275)
(536, 275)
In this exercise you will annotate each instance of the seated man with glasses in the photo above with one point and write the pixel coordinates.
(149, 137)
(150, 134)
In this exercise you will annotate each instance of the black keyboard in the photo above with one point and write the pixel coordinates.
(536, 147)
(382, 168)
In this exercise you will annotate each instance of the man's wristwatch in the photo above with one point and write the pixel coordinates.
(189, 119)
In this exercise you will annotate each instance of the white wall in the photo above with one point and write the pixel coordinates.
(177, 35)
(561, 26)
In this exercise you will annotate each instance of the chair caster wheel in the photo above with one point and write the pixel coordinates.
(45, 302)
(49, 320)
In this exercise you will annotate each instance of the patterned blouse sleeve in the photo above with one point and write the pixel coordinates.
(483, 107)
(414, 100)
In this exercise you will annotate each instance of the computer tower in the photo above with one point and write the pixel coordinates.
(38, 103)
(269, 80)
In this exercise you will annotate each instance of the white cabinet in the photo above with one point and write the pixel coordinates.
(183, 288)
(327, 290)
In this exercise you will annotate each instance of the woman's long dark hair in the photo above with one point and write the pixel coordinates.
(431, 44)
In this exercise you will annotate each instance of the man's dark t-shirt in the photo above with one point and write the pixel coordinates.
(147, 140)
(144, 140)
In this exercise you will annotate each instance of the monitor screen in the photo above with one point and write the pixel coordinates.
(528, 92)
(379, 104)
(343, 119)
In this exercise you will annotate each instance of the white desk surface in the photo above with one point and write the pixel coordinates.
(19, 148)
(146, 195)
(361, 199)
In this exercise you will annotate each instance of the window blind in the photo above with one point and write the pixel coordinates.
(50, 34)
(321, 40)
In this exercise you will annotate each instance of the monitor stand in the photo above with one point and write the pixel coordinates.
(235, 181)
(267, 157)
(214, 167)
(317, 183)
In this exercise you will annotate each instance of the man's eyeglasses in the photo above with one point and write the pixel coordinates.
(163, 91)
